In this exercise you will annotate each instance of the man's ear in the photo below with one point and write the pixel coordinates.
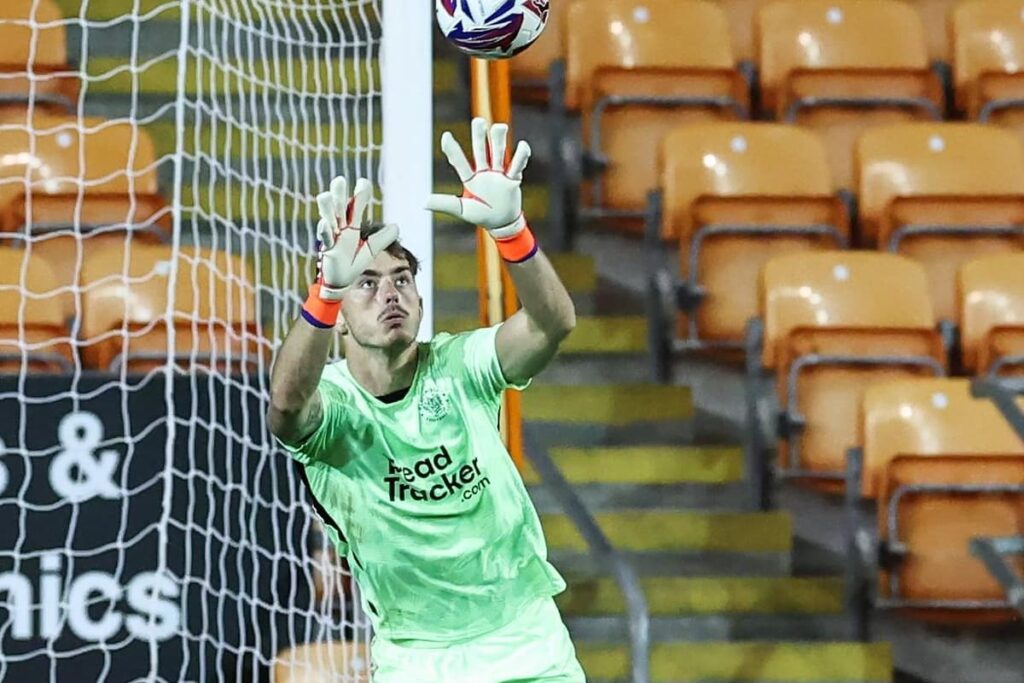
(340, 325)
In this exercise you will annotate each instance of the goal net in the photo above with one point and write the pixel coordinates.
(158, 163)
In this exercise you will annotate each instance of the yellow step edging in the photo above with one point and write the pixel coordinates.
(747, 662)
(169, 11)
(681, 596)
(679, 530)
(457, 271)
(108, 10)
(282, 140)
(610, 404)
(260, 203)
(608, 334)
(118, 76)
(646, 465)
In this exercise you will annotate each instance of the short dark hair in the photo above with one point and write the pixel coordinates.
(395, 248)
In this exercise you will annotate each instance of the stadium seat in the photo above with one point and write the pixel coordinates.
(835, 323)
(74, 208)
(735, 195)
(991, 314)
(323, 663)
(988, 46)
(635, 70)
(530, 70)
(84, 173)
(944, 468)
(843, 66)
(32, 324)
(941, 194)
(935, 18)
(741, 14)
(125, 291)
(33, 58)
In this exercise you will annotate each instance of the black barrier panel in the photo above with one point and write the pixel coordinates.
(114, 566)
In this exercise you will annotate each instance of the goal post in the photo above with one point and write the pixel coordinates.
(407, 112)
(157, 227)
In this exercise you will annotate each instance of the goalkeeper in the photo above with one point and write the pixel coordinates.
(399, 443)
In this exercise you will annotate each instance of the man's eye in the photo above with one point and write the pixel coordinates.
(402, 281)
(367, 284)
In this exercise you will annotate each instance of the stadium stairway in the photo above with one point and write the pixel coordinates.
(724, 600)
(724, 603)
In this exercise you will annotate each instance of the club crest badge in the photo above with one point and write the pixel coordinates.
(434, 403)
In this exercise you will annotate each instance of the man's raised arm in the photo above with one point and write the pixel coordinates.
(492, 198)
(295, 406)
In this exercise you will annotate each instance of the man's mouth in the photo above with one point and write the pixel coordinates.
(393, 315)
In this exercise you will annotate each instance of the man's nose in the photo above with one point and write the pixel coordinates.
(388, 291)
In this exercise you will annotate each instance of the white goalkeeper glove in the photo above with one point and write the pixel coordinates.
(342, 254)
(491, 195)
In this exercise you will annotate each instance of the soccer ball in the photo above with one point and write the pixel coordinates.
(493, 29)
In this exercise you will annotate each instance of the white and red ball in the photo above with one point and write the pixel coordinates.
(493, 29)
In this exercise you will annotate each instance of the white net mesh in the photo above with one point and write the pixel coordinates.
(156, 182)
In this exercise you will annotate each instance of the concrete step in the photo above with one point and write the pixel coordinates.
(593, 334)
(679, 531)
(646, 465)
(746, 662)
(678, 596)
(567, 368)
(733, 627)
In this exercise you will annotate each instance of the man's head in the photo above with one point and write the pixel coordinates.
(382, 309)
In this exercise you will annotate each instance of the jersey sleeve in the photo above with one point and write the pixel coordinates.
(321, 445)
(482, 368)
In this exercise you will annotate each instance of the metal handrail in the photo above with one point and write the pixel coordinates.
(600, 547)
(1002, 392)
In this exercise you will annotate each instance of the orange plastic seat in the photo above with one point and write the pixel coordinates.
(33, 45)
(323, 663)
(530, 69)
(636, 70)
(988, 49)
(944, 467)
(941, 194)
(836, 323)
(936, 17)
(741, 16)
(991, 301)
(843, 66)
(125, 306)
(67, 253)
(33, 334)
(735, 195)
(83, 173)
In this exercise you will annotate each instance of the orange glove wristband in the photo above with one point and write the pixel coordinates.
(319, 313)
(519, 248)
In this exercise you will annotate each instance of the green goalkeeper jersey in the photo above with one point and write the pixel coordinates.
(423, 499)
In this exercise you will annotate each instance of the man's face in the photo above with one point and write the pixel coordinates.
(382, 308)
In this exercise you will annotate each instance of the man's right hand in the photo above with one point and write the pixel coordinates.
(342, 255)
